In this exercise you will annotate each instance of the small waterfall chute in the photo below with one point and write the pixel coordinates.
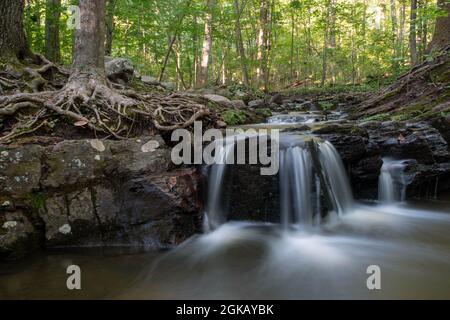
(393, 181)
(312, 179)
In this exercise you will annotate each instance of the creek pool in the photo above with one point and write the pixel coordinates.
(242, 260)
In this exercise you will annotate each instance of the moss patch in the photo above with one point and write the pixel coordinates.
(232, 117)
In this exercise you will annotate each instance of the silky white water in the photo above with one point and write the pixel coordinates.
(392, 182)
(304, 256)
(310, 172)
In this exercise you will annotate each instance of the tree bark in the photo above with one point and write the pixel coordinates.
(441, 36)
(412, 33)
(261, 42)
(207, 44)
(394, 28)
(110, 8)
(325, 44)
(52, 15)
(13, 43)
(239, 43)
(89, 42)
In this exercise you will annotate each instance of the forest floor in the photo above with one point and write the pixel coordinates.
(423, 93)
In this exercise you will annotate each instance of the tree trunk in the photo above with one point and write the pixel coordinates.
(325, 44)
(13, 43)
(89, 43)
(207, 44)
(110, 7)
(401, 32)
(239, 43)
(52, 15)
(412, 33)
(292, 46)
(394, 28)
(441, 36)
(261, 45)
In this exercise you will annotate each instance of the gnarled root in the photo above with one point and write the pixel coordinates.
(95, 105)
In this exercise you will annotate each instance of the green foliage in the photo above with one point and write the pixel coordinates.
(233, 117)
(363, 45)
(326, 105)
(378, 117)
(37, 200)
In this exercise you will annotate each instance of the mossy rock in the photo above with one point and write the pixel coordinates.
(234, 117)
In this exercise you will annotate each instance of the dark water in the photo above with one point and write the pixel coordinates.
(254, 261)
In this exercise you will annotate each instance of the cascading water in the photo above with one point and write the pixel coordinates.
(392, 182)
(311, 172)
(214, 211)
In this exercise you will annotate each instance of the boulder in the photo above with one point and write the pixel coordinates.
(119, 70)
(238, 104)
(17, 235)
(257, 103)
(170, 86)
(91, 192)
(150, 80)
(276, 99)
(20, 169)
(221, 100)
(363, 146)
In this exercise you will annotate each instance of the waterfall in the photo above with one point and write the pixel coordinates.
(392, 182)
(334, 169)
(214, 212)
(312, 182)
(310, 174)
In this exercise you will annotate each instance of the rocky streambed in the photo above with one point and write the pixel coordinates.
(128, 193)
(92, 193)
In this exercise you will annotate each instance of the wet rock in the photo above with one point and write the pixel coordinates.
(257, 103)
(221, 100)
(170, 86)
(150, 80)
(239, 104)
(72, 163)
(119, 70)
(276, 99)
(86, 192)
(442, 124)
(363, 146)
(20, 169)
(69, 219)
(17, 235)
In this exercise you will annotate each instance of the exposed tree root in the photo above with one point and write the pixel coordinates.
(86, 102)
(419, 86)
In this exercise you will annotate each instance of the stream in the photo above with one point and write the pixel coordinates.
(321, 248)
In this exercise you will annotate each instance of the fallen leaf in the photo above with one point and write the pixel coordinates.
(172, 182)
(150, 146)
(97, 145)
(81, 123)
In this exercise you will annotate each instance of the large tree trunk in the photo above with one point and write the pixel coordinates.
(13, 43)
(89, 43)
(239, 44)
(52, 15)
(261, 42)
(326, 44)
(441, 36)
(207, 44)
(110, 7)
(412, 33)
(394, 28)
